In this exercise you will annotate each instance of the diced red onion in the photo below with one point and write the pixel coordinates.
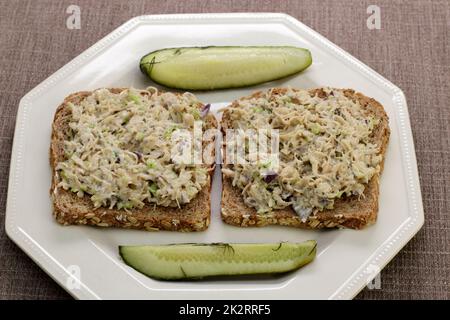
(205, 110)
(269, 176)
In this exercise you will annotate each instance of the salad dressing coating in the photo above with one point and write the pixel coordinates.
(325, 151)
(119, 149)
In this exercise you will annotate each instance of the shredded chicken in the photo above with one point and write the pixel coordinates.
(324, 151)
(119, 149)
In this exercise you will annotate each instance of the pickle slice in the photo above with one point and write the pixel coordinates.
(208, 68)
(196, 261)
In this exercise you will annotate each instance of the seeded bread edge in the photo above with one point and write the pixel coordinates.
(69, 209)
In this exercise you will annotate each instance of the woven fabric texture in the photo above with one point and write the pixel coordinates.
(411, 49)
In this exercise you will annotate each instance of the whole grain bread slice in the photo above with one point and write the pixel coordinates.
(349, 212)
(69, 209)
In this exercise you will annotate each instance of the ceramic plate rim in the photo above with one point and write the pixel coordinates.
(348, 289)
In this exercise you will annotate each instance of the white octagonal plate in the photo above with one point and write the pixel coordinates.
(346, 259)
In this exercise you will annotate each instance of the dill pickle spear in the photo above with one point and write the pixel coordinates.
(208, 68)
(196, 261)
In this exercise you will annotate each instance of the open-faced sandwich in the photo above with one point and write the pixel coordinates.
(332, 144)
(111, 159)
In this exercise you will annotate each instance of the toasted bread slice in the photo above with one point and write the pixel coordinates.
(68, 208)
(349, 212)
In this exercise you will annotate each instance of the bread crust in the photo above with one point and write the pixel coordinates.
(350, 212)
(69, 209)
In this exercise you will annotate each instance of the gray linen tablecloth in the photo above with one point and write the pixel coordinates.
(411, 49)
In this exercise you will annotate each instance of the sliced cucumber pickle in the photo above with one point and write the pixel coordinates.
(208, 68)
(196, 261)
